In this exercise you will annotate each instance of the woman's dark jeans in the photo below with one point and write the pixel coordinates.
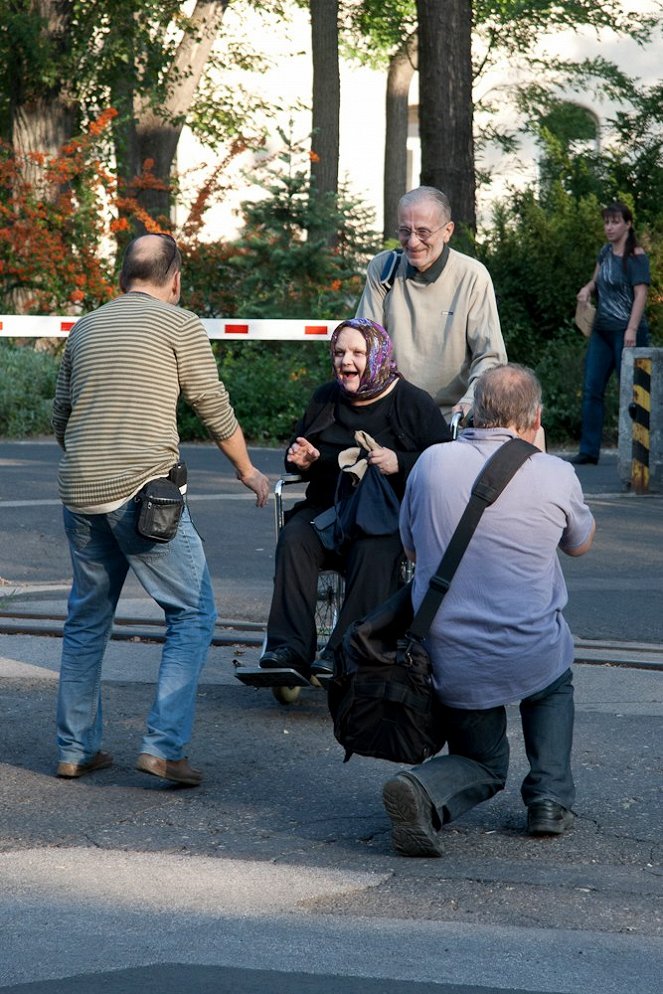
(604, 356)
(478, 761)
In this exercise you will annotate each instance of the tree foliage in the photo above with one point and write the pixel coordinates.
(144, 58)
(50, 249)
(508, 31)
(300, 254)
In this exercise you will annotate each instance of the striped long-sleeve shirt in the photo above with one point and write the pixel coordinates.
(114, 413)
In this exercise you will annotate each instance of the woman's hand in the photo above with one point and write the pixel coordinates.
(302, 454)
(585, 293)
(639, 301)
(386, 460)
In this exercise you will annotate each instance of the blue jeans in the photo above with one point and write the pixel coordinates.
(603, 357)
(478, 761)
(175, 574)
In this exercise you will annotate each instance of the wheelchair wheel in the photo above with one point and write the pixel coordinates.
(286, 695)
(331, 588)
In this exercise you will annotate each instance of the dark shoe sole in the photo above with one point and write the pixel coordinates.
(71, 771)
(321, 670)
(550, 826)
(413, 833)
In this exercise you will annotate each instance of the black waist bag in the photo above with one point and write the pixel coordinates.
(381, 699)
(161, 507)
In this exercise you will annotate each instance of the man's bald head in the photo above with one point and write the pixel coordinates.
(150, 261)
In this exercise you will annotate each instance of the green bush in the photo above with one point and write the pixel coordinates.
(27, 388)
(539, 253)
(269, 384)
(560, 372)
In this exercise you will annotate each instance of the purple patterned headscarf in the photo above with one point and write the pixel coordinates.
(381, 368)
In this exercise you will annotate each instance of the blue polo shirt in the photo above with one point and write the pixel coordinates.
(499, 634)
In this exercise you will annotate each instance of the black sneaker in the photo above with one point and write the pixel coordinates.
(283, 658)
(547, 817)
(583, 459)
(323, 666)
(411, 813)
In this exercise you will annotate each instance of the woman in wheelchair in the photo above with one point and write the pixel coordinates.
(367, 394)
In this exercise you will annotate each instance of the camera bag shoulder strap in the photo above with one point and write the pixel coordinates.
(487, 487)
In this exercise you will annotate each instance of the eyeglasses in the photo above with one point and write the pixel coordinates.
(423, 234)
(173, 252)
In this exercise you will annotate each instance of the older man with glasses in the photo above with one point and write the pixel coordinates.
(437, 304)
(124, 368)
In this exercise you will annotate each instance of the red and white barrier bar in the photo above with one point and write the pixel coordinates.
(37, 326)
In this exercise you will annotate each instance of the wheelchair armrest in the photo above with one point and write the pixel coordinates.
(285, 481)
(454, 424)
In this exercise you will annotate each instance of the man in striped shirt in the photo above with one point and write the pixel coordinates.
(114, 415)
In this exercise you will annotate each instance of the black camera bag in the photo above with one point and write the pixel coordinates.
(161, 507)
(382, 699)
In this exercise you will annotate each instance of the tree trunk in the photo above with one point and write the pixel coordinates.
(43, 119)
(156, 130)
(326, 95)
(402, 67)
(445, 103)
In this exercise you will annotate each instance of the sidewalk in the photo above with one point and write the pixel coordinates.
(284, 844)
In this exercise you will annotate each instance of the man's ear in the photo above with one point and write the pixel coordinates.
(176, 285)
(537, 420)
(534, 433)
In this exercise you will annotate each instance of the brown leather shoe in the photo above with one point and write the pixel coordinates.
(175, 770)
(100, 761)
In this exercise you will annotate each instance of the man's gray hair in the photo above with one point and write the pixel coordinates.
(506, 396)
(429, 193)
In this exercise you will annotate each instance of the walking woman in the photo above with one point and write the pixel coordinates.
(620, 283)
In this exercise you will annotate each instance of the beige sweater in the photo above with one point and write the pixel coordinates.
(445, 333)
(114, 413)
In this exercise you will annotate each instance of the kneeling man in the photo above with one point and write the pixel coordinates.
(499, 635)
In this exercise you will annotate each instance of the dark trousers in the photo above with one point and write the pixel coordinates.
(372, 572)
(603, 357)
(478, 761)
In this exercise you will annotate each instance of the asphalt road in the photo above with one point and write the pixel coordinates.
(277, 874)
(615, 591)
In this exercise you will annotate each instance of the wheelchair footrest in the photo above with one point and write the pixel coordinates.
(254, 676)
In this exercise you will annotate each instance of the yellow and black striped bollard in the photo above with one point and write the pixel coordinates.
(640, 410)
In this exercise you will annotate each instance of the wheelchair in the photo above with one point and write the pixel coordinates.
(286, 685)
(330, 594)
